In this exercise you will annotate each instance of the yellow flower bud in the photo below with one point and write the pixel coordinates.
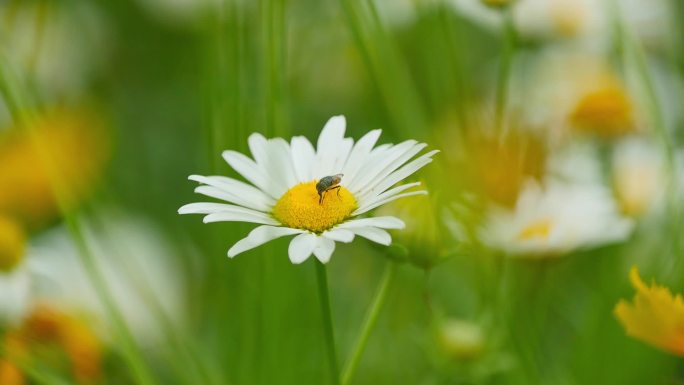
(12, 244)
(461, 339)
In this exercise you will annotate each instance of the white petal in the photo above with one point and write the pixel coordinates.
(339, 235)
(258, 146)
(259, 236)
(374, 234)
(245, 194)
(360, 211)
(218, 193)
(382, 222)
(390, 169)
(303, 158)
(249, 170)
(211, 208)
(382, 184)
(278, 166)
(332, 148)
(324, 249)
(387, 161)
(301, 247)
(372, 198)
(359, 153)
(240, 217)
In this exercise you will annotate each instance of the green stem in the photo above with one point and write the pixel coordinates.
(369, 323)
(324, 296)
(657, 120)
(507, 53)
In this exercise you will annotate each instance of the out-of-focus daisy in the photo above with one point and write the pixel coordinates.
(655, 316)
(58, 45)
(137, 262)
(51, 337)
(639, 176)
(585, 22)
(68, 146)
(556, 219)
(575, 93)
(285, 195)
(497, 169)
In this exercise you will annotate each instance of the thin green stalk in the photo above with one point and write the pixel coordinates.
(274, 43)
(658, 122)
(22, 111)
(324, 297)
(369, 323)
(507, 53)
(387, 70)
(132, 352)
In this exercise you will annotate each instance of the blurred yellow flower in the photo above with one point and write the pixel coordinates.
(68, 147)
(12, 244)
(606, 111)
(498, 170)
(655, 316)
(49, 328)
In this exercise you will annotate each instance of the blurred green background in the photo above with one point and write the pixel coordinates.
(161, 87)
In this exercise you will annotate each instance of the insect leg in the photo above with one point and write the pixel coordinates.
(338, 190)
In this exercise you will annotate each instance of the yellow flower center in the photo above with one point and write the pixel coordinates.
(12, 244)
(606, 112)
(299, 208)
(539, 229)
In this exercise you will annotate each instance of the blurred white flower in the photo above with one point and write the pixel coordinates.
(57, 45)
(639, 176)
(138, 264)
(587, 22)
(556, 219)
(288, 196)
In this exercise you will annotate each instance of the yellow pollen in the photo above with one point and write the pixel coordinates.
(298, 208)
(539, 229)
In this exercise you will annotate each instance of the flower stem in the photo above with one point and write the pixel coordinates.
(369, 323)
(324, 296)
(507, 53)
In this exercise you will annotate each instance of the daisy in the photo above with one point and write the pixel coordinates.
(557, 219)
(282, 196)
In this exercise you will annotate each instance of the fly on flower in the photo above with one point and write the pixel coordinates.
(328, 183)
(284, 198)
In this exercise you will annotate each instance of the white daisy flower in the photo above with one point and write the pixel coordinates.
(135, 258)
(555, 220)
(283, 198)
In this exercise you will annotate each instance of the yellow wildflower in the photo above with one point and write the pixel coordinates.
(48, 327)
(606, 111)
(656, 316)
(62, 146)
(12, 244)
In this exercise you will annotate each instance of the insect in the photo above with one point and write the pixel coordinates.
(328, 183)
